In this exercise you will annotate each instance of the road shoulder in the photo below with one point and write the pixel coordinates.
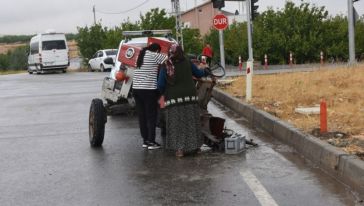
(348, 169)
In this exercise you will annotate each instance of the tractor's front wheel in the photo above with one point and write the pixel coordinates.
(97, 120)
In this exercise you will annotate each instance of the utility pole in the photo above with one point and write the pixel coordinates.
(176, 10)
(249, 25)
(351, 33)
(94, 11)
(222, 48)
(218, 4)
(196, 15)
(249, 66)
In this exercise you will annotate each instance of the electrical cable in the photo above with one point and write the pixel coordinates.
(123, 12)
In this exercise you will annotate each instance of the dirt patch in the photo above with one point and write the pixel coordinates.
(342, 89)
(72, 45)
(4, 48)
(73, 49)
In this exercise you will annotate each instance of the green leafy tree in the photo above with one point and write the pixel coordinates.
(91, 39)
(359, 40)
(304, 29)
(156, 19)
(71, 36)
(213, 39)
(127, 25)
(236, 43)
(4, 62)
(272, 44)
(15, 59)
(18, 58)
(113, 38)
(15, 38)
(299, 29)
(336, 39)
(192, 41)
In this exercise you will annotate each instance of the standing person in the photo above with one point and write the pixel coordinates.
(146, 94)
(181, 107)
(207, 51)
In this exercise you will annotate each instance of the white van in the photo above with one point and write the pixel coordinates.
(48, 52)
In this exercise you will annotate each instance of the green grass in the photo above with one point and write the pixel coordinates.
(6, 72)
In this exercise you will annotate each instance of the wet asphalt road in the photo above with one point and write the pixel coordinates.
(45, 157)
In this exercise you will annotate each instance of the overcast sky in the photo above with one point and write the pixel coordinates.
(34, 16)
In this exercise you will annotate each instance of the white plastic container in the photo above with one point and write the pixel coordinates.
(234, 144)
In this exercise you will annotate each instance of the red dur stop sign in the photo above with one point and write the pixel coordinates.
(220, 22)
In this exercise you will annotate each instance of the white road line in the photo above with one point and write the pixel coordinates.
(264, 198)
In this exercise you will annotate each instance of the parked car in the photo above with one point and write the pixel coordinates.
(97, 60)
(48, 52)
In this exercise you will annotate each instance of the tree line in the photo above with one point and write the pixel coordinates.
(8, 39)
(303, 30)
(15, 59)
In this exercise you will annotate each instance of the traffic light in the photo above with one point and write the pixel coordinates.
(254, 9)
(218, 4)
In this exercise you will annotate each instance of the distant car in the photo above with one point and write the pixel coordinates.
(97, 60)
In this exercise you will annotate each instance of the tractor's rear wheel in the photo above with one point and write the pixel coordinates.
(97, 120)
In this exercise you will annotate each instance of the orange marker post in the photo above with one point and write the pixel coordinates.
(265, 61)
(240, 64)
(323, 117)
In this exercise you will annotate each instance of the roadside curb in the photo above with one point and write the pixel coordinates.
(346, 168)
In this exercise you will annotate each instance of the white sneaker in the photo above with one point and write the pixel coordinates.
(145, 144)
(153, 145)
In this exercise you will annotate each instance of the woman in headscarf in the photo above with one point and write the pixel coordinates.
(181, 103)
(146, 93)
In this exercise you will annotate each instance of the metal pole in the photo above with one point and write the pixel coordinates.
(196, 17)
(222, 49)
(180, 26)
(93, 9)
(249, 24)
(182, 44)
(249, 66)
(179, 30)
(351, 33)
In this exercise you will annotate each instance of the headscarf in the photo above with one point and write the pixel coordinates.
(175, 55)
